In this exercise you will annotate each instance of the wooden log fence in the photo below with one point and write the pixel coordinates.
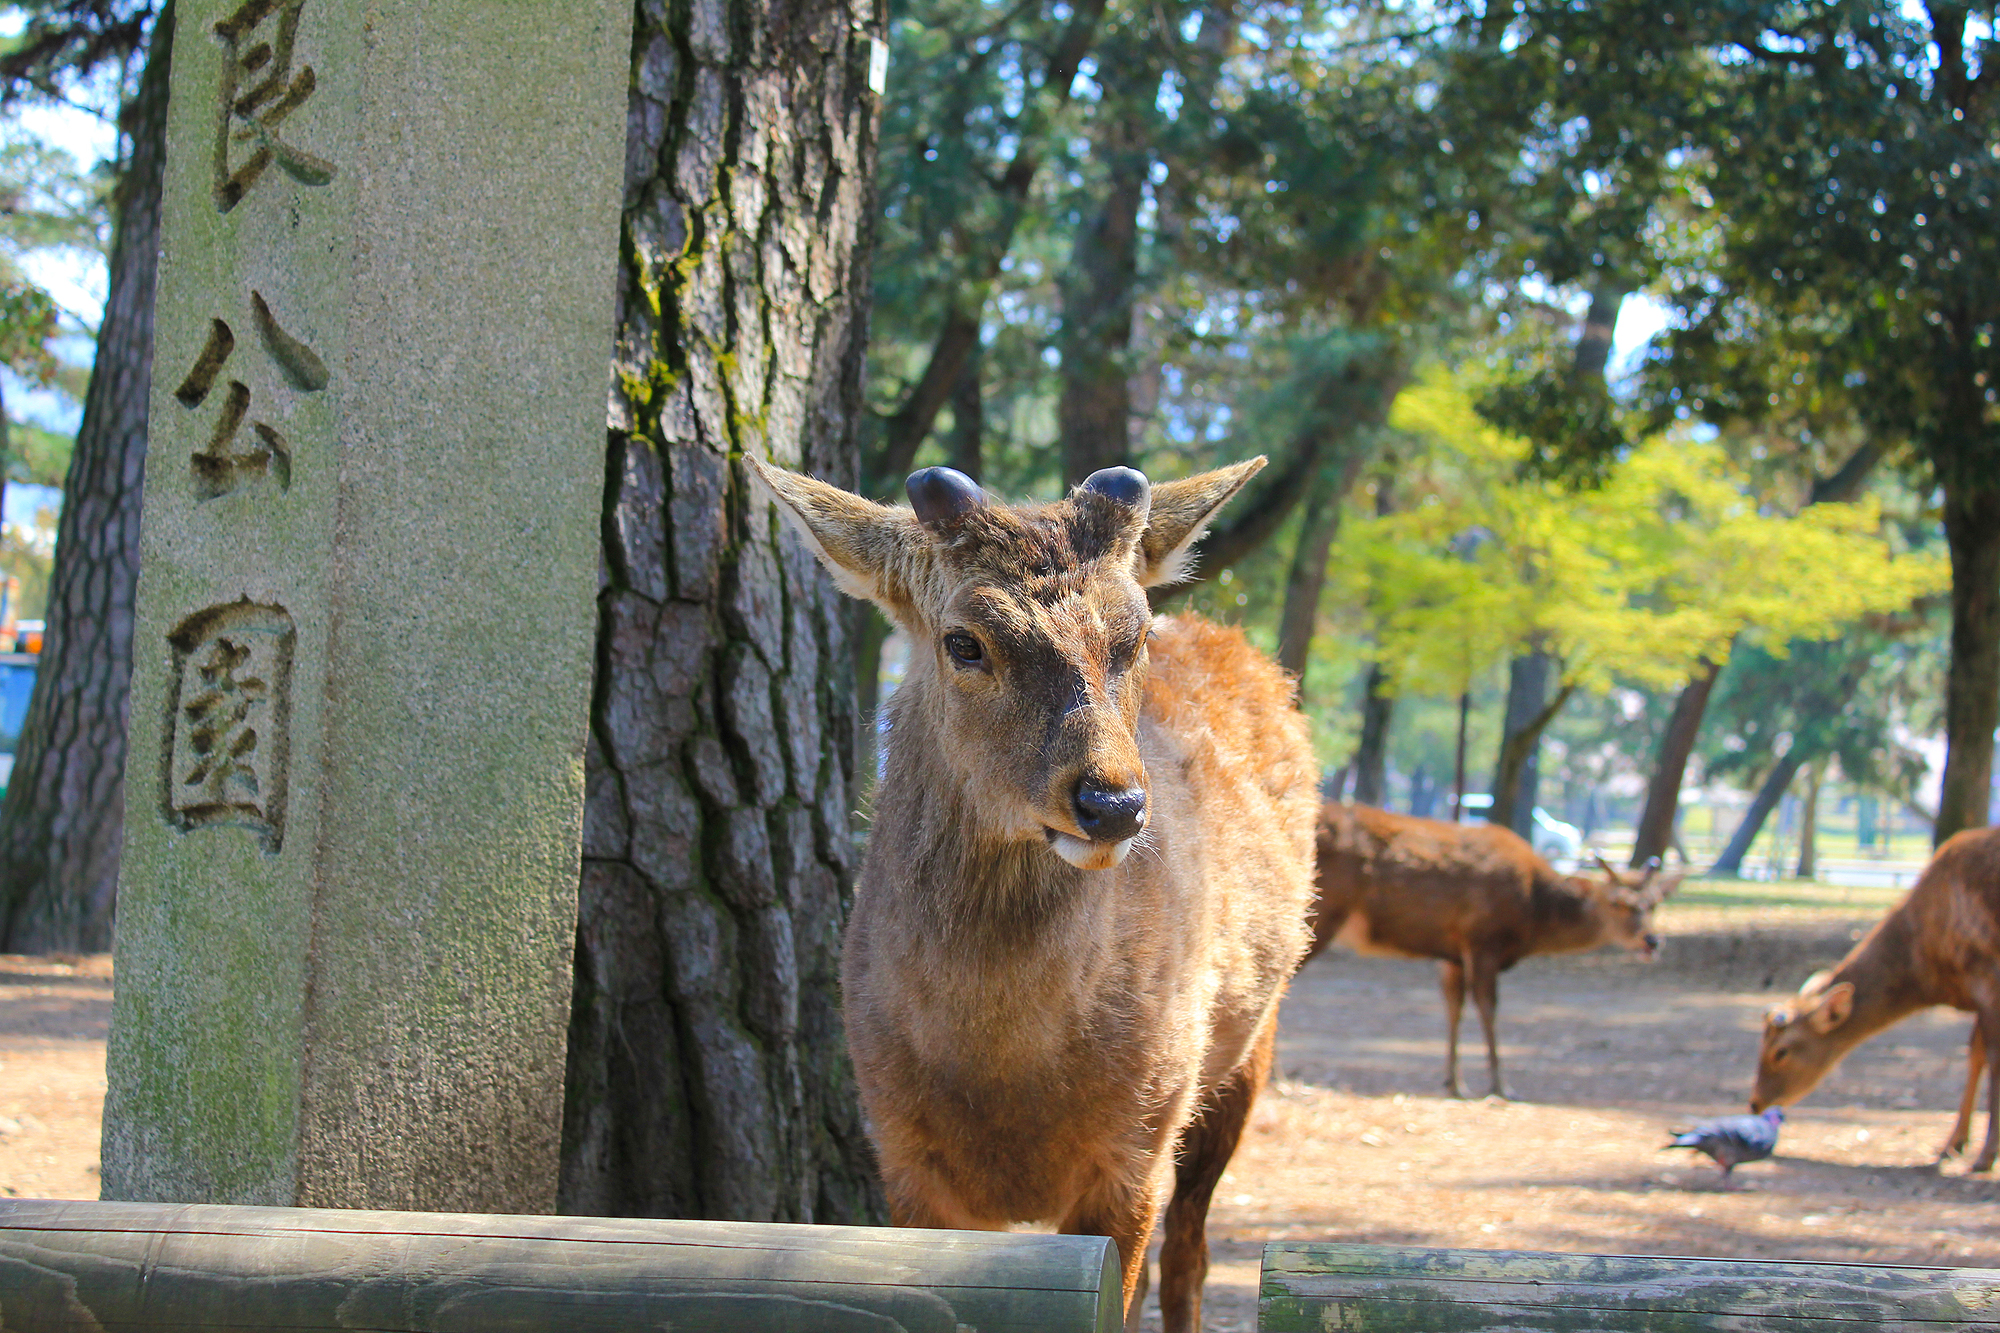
(1385, 1289)
(69, 1267)
(179, 1268)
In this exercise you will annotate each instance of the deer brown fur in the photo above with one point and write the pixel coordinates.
(1476, 897)
(1940, 945)
(1088, 870)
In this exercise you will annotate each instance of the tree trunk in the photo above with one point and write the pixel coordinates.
(984, 250)
(708, 1072)
(968, 418)
(1730, 863)
(1318, 527)
(1972, 684)
(1663, 793)
(1094, 413)
(1517, 772)
(1809, 823)
(1371, 757)
(62, 822)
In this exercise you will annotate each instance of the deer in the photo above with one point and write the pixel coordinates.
(1939, 946)
(1086, 877)
(1477, 898)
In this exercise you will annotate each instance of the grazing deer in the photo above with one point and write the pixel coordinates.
(1086, 880)
(1476, 897)
(1940, 945)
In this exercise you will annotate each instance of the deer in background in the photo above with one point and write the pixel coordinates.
(1087, 876)
(1940, 945)
(1476, 897)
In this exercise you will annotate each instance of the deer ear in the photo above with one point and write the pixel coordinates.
(1833, 1009)
(1662, 887)
(871, 550)
(1177, 515)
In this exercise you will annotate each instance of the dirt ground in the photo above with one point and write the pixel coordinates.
(1355, 1141)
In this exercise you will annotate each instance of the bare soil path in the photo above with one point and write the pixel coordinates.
(1355, 1141)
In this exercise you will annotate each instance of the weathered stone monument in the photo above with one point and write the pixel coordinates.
(347, 907)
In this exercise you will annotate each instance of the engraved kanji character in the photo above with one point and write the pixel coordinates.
(259, 90)
(220, 467)
(222, 738)
(227, 748)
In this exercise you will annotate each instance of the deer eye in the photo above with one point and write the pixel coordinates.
(964, 649)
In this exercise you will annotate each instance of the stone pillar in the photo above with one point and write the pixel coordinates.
(365, 620)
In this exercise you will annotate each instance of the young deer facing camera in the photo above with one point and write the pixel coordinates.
(1089, 868)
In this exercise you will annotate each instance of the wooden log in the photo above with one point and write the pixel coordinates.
(180, 1268)
(1388, 1289)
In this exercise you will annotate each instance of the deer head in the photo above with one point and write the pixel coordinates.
(1028, 627)
(1804, 1038)
(1626, 900)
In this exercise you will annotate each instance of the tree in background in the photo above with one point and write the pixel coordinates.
(1790, 708)
(1640, 578)
(62, 819)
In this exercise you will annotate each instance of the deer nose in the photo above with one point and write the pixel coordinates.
(1110, 814)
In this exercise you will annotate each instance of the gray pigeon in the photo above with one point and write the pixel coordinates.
(1731, 1139)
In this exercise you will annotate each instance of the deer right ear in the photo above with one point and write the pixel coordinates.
(1833, 1009)
(871, 550)
(1177, 515)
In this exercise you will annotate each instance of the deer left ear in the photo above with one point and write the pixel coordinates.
(871, 550)
(1178, 514)
(1833, 1009)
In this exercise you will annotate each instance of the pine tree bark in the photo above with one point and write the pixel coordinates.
(1972, 682)
(62, 822)
(708, 1072)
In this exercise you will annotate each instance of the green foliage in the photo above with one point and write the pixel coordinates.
(1638, 579)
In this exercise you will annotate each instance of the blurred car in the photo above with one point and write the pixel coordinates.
(17, 682)
(1556, 841)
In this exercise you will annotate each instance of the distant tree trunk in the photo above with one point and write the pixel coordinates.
(1972, 683)
(985, 250)
(1371, 757)
(1423, 792)
(968, 418)
(1318, 527)
(1663, 793)
(1730, 863)
(62, 822)
(1809, 823)
(1094, 413)
(1657, 820)
(1517, 771)
(708, 1072)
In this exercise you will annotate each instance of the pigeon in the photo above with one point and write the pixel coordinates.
(1732, 1139)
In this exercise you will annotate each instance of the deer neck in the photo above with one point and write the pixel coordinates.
(1888, 986)
(1565, 921)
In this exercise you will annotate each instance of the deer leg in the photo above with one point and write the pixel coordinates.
(1451, 976)
(1124, 1211)
(1206, 1146)
(1975, 1065)
(1485, 981)
(1989, 1031)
